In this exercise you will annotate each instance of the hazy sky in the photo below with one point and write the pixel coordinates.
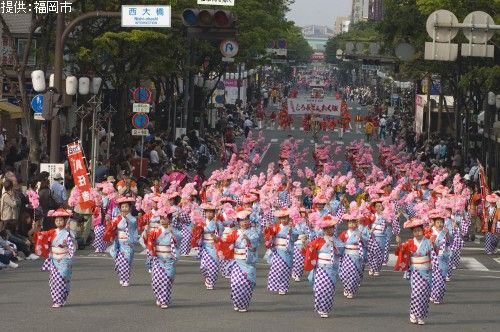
(319, 12)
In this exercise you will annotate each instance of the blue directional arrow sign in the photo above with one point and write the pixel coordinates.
(229, 48)
(37, 106)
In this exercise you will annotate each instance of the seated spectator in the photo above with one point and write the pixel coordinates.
(8, 253)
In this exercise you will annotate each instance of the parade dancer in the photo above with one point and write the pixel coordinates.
(440, 256)
(377, 241)
(209, 261)
(414, 256)
(280, 238)
(122, 231)
(454, 228)
(182, 222)
(102, 213)
(57, 246)
(491, 224)
(351, 268)
(322, 260)
(302, 231)
(244, 243)
(162, 245)
(228, 219)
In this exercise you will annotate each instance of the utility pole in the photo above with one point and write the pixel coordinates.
(55, 125)
(61, 33)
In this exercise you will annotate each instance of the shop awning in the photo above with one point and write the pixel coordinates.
(15, 112)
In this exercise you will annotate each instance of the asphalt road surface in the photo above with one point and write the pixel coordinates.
(98, 303)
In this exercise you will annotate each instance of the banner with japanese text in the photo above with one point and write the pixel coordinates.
(80, 174)
(320, 106)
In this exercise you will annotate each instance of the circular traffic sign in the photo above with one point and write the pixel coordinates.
(229, 48)
(441, 34)
(37, 103)
(142, 95)
(140, 121)
(478, 36)
(405, 52)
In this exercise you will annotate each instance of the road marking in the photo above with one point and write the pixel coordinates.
(340, 142)
(292, 128)
(473, 264)
(358, 108)
(301, 128)
(274, 140)
(327, 142)
(496, 259)
(312, 141)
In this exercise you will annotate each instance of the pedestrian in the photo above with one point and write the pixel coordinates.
(382, 127)
(414, 258)
(242, 244)
(248, 124)
(322, 259)
(58, 247)
(280, 239)
(162, 243)
(9, 207)
(122, 232)
(369, 128)
(58, 190)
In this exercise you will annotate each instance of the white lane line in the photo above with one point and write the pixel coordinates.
(358, 108)
(496, 259)
(473, 264)
(327, 142)
(292, 128)
(301, 128)
(274, 140)
(312, 141)
(340, 142)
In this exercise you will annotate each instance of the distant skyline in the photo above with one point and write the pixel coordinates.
(318, 12)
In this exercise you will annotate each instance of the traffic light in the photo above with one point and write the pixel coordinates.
(208, 18)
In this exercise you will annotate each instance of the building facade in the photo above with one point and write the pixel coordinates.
(360, 10)
(341, 25)
(376, 10)
(317, 36)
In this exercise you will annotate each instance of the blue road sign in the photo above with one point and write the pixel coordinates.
(140, 120)
(37, 103)
(37, 106)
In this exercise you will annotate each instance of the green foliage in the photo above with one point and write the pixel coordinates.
(363, 32)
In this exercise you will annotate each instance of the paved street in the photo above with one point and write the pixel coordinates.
(97, 302)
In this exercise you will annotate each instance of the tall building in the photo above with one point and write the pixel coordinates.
(317, 36)
(341, 24)
(376, 10)
(359, 10)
